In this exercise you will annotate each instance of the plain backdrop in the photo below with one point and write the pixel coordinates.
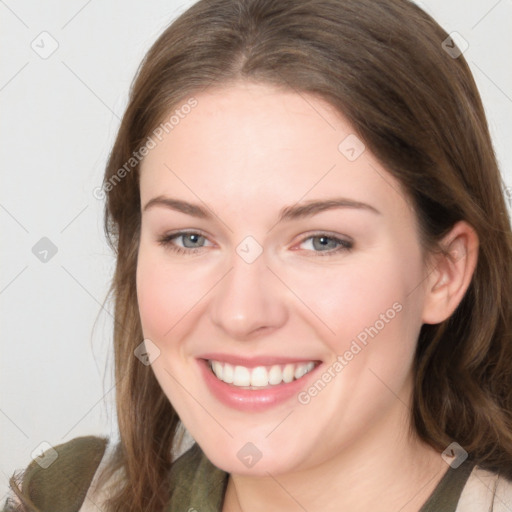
(60, 113)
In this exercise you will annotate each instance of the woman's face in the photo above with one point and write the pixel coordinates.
(301, 254)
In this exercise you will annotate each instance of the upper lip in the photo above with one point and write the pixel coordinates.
(251, 362)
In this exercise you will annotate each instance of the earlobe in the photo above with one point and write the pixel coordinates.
(450, 273)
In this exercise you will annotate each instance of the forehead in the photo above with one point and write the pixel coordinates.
(249, 142)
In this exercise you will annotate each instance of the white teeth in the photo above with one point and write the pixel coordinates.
(242, 376)
(260, 376)
(226, 374)
(275, 375)
(302, 369)
(217, 368)
(299, 372)
(288, 372)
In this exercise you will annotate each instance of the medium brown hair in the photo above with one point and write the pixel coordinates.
(382, 65)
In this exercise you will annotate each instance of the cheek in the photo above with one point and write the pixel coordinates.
(164, 296)
(368, 301)
(154, 303)
(163, 300)
(376, 320)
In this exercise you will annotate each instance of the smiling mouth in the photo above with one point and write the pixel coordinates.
(260, 377)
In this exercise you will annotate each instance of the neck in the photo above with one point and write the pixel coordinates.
(386, 469)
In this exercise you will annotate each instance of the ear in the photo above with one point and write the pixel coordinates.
(449, 274)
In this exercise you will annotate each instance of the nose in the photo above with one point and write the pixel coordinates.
(249, 300)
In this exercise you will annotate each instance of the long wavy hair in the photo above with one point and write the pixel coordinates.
(384, 66)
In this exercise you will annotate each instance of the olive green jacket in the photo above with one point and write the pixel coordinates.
(68, 484)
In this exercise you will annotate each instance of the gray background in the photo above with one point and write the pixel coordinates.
(60, 113)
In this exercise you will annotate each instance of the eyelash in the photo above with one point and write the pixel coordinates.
(166, 241)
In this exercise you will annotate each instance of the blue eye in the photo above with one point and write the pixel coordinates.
(189, 240)
(192, 242)
(328, 245)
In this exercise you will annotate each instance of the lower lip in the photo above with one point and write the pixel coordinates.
(252, 400)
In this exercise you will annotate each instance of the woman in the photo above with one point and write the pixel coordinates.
(313, 273)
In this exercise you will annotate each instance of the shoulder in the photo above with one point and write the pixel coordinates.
(485, 490)
(60, 478)
(69, 480)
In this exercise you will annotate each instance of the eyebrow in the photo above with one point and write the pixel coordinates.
(288, 213)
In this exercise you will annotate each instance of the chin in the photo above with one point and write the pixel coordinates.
(253, 458)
